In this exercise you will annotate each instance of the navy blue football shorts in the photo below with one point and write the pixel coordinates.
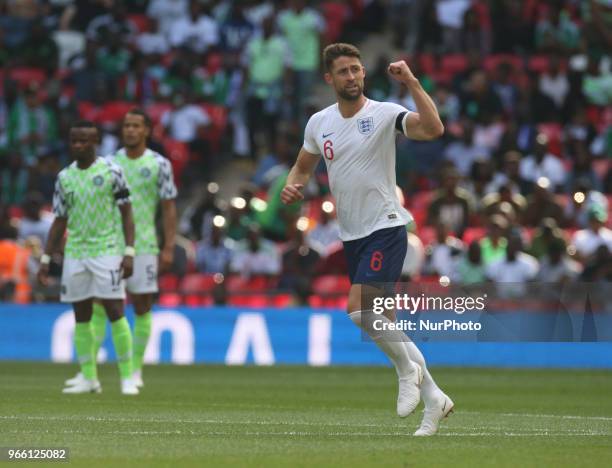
(377, 258)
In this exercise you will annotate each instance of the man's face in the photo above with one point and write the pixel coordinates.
(134, 130)
(83, 143)
(347, 76)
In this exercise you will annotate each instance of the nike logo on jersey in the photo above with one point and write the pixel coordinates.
(329, 134)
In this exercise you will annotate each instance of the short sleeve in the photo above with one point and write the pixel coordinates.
(393, 112)
(165, 180)
(310, 141)
(121, 190)
(60, 207)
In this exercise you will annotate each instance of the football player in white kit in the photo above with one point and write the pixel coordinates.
(356, 137)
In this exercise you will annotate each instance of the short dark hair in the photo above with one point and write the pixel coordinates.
(340, 49)
(143, 114)
(84, 124)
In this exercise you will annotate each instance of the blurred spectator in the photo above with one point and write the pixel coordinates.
(113, 58)
(213, 255)
(14, 286)
(513, 270)
(476, 31)
(265, 59)
(185, 121)
(554, 82)
(469, 268)
(196, 221)
(167, 13)
(153, 41)
(464, 152)
(447, 103)
(599, 267)
(543, 164)
(557, 32)
(479, 101)
(276, 163)
(32, 127)
(35, 222)
(276, 218)
(542, 204)
(556, 266)
(88, 77)
(597, 86)
(504, 87)
(255, 255)
(378, 84)
(443, 253)
(13, 179)
(302, 27)
(451, 204)
(39, 49)
(493, 245)
(478, 183)
(112, 25)
(138, 85)
(582, 175)
(197, 31)
(491, 202)
(236, 30)
(587, 241)
(581, 202)
(15, 24)
(299, 260)
(451, 14)
(546, 235)
(510, 173)
(325, 236)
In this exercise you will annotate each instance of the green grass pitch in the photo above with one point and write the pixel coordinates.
(299, 416)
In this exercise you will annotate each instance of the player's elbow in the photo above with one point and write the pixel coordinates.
(436, 131)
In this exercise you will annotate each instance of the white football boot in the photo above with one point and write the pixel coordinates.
(84, 386)
(77, 379)
(434, 414)
(128, 387)
(409, 394)
(137, 377)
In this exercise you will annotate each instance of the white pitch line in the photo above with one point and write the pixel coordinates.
(537, 415)
(317, 434)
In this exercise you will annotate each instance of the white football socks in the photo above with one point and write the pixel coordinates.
(391, 342)
(429, 389)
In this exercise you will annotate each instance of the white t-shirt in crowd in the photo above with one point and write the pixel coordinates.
(550, 167)
(586, 241)
(184, 122)
(524, 268)
(360, 156)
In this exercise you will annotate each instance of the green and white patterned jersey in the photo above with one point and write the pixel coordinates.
(89, 199)
(150, 180)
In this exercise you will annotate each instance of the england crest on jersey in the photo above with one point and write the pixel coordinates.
(365, 125)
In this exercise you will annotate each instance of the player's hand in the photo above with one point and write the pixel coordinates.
(401, 72)
(127, 266)
(43, 274)
(292, 193)
(166, 257)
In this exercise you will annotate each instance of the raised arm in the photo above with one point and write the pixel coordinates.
(424, 124)
(299, 176)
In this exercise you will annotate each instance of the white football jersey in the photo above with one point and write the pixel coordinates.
(360, 156)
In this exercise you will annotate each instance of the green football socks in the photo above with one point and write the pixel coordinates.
(84, 344)
(122, 339)
(98, 323)
(142, 331)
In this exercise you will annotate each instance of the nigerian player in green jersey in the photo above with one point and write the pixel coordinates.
(87, 195)
(151, 182)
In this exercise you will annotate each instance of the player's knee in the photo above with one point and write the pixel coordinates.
(114, 310)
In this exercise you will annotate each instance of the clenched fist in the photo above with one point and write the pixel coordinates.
(292, 193)
(401, 72)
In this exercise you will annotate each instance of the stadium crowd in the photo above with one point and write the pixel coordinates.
(518, 189)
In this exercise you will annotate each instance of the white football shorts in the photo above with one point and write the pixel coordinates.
(86, 278)
(144, 278)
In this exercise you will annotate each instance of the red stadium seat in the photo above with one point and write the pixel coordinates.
(238, 283)
(248, 300)
(492, 61)
(168, 283)
(331, 284)
(141, 22)
(24, 76)
(454, 63)
(169, 299)
(113, 112)
(473, 233)
(156, 110)
(196, 288)
(178, 154)
(280, 300)
(538, 63)
(427, 234)
(554, 132)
